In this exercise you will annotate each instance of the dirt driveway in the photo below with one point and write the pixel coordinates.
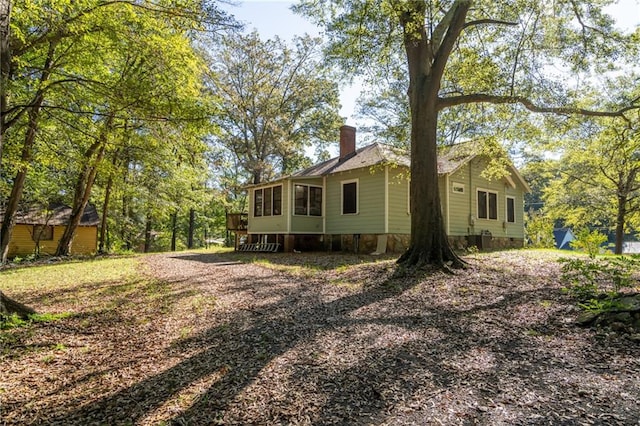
(320, 339)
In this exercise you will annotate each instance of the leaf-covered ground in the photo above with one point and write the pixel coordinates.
(201, 338)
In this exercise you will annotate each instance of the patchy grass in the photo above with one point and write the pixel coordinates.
(68, 274)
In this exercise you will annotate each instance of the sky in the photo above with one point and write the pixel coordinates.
(273, 17)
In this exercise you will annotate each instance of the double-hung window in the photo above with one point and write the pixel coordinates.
(308, 200)
(511, 210)
(487, 204)
(350, 197)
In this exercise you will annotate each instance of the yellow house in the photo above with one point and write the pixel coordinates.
(38, 227)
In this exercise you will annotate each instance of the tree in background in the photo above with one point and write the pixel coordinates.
(275, 102)
(77, 71)
(599, 181)
(465, 52)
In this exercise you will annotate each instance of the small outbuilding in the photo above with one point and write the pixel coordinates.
(38, 230)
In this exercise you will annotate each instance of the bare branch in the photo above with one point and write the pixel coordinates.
(530, 105)
(488, 22)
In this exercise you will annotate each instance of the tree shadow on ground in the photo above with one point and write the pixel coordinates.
(291, 360)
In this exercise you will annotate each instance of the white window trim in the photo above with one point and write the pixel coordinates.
(455, 185)
(506, 209)
(253, 200)
(308, 200)
(342, 184)
(488, 191)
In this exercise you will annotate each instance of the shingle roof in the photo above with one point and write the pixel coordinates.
(55, 214)
(377, 154)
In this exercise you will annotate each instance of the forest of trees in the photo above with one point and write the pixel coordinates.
(160, 112)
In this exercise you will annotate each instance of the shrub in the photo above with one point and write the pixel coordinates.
(596, 281)
(589, 242)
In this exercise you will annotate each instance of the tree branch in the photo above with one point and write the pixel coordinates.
(528, 104)
(488, 22)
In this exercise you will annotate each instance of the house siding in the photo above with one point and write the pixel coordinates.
(370, 216)
(269, 224)
(21, 244)
(306, 224)
(460, 204)
(498, 228)
(399, 218)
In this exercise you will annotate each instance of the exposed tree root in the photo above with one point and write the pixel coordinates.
(441, 258)
(8, 306)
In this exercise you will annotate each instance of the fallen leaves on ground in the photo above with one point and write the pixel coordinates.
(319, 339)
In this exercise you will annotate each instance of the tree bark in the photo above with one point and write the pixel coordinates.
(5, 65)
(103, 219)
(174, 220)
(9, 306)
(147, 235)
(192, 224)
(93, 157)
(426, 60)
(620, 219)
(27, 149)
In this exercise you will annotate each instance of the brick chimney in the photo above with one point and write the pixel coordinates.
(347, 141)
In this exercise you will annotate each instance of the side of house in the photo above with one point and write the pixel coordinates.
(360, 202)
(24, 239)
(38, 230)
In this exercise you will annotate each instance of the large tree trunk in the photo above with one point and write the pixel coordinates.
(426, 61)
(620, 219)
(174, 230)
(93, 157)
(18, 182)
(9, 306)
(147, 234)
(103, 220)
(5, 65)
(192, 225)
(29, 140)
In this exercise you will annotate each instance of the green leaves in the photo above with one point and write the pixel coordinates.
(275, 102)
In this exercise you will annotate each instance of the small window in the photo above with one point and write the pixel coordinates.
(487, 205)
(42, 233)
(350, 198)
(277, 200)
(301, 202)
(457, 188)
(268, 192)
(511, 210)
(315, 201)
(257, 202)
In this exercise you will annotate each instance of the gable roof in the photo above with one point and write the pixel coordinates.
(368, 156)
(450, 159)
(56, 214)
